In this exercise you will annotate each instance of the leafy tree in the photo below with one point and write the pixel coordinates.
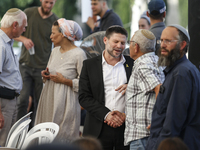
(21, 4)
(65, 9)
(183, 8)
(123, 9)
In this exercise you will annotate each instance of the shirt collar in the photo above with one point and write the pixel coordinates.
(106, 14)
(122, 60)
(6, 38)
(167, 69)
(143, 56)
(159, 24)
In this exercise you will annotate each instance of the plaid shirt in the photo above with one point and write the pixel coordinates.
(140, 97)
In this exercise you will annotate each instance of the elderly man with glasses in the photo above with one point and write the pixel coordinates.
(142, 89)
(177, 109)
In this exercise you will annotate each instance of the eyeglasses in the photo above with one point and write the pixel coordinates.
(167, 42)
(129, 42)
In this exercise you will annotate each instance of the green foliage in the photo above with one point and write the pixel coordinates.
(21, 4)
(65, 9)
(123, 9)
(183, 8)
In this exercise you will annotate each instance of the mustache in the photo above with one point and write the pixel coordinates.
(118, 49)
(164, 49)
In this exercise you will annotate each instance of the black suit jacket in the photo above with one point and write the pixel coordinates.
(91, 93)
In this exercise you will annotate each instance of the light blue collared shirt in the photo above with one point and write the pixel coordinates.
(10, 76)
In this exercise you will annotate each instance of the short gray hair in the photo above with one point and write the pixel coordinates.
(12, 15)
(145, 39)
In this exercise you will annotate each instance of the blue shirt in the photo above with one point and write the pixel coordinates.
(177, 109)
(10, 76)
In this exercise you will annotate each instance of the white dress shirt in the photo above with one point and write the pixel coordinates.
(113, 77)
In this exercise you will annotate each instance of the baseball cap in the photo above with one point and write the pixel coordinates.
(156, 7)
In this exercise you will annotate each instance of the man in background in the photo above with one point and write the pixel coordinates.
(108, 17)
(37, 39)
(157, 13)
(13, 24)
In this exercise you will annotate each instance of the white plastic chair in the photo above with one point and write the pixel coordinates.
(18, 135)
(44, 136)
(44, 132)
(24, 118)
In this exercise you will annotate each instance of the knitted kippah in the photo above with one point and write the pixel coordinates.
(13, 11)
(148, 34)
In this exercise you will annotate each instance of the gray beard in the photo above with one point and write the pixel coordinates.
(169, 60)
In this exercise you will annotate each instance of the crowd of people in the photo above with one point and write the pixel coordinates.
(149, 99)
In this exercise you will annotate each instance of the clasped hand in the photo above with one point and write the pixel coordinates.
(115, 119)
(58, 78)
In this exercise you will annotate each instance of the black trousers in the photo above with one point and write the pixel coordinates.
(112, 138)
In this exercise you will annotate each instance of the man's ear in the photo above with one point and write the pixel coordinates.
(164, 15)
(147, 14)
(105, 39)
(137, 47)
(15, 24)
(183, 45)
(104, 3)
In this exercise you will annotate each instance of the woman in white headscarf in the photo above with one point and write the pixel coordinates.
(59, 98)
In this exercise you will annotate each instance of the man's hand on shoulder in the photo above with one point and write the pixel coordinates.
(122, 89)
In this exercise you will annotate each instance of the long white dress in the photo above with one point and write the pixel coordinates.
(58, 102)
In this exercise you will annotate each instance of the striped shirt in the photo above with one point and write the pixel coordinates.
(140, 97)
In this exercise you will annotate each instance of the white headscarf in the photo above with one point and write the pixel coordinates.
(70, 29)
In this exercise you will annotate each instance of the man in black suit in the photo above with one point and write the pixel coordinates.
(102, 85)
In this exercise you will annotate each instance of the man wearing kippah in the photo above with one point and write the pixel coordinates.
(156, 12)
(35, 53)
(13, 24)
(177, 109)
(143, 87)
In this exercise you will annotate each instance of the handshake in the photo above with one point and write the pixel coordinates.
(115, 119)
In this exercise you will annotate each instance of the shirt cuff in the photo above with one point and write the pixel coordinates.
(106, 115)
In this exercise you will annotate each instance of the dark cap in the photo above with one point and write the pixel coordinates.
(156, 7)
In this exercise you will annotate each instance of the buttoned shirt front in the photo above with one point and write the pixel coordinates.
(113, 77)
(177, 109)
(10, 76)
(140, 97)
